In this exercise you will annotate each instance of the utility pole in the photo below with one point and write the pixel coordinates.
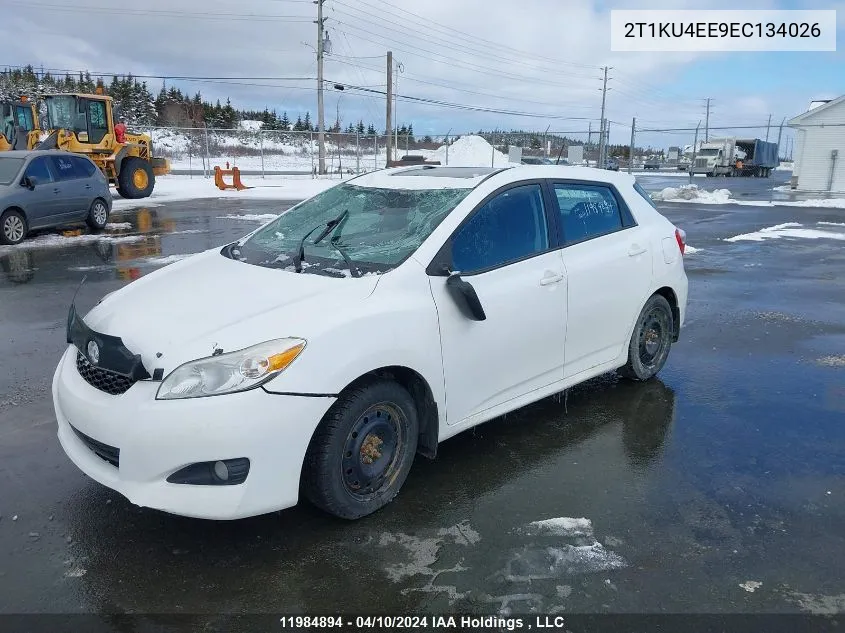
(694, 152)
(780, 133)
(321, 119)
(389, 125)
(589, 134)
(631, 148)
(707, 122)
(602, 141)
(768, 125)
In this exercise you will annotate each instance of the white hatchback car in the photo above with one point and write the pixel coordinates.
(322, 351)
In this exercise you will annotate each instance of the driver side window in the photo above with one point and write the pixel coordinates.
(38, 169)
(510, 227)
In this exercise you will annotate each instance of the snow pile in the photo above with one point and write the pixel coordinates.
(250, 125)
(470, 151)
(57, 240)
(785, 166)
(788, 229)
(691, 193)
(168, 142)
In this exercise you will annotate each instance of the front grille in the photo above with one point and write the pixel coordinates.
(102, 379)
(701, 162)
(103, 451)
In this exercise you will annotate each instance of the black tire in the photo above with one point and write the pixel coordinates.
(136, 178)
(363, 419)
(13, 228)
(650, 341)
(98, 215)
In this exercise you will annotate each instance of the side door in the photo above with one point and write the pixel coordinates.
(507, 249)
(71, 184)
(90, 185)
(42, 203)
(98, 125)
(609, 269)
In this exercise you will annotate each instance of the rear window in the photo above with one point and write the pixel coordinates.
(9, 168)
(83, 166)
(644, 194)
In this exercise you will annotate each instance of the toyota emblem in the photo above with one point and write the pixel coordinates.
(93, 352)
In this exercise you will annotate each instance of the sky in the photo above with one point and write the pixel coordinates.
(537, 61)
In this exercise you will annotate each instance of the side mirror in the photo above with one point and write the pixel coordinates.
(465, 297)
(30, 182)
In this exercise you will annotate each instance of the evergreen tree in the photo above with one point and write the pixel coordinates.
(371, 130)
(307, 123)
(361, 129)
(299, 126)
(284, 123)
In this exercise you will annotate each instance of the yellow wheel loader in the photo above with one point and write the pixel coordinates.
(84, 124)
(18, 125)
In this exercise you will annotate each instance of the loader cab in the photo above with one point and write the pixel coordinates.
(17, 117)
(87, 116)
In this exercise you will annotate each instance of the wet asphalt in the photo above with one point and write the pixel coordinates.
(725, 472)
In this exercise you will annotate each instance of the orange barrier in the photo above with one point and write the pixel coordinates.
(235, 173)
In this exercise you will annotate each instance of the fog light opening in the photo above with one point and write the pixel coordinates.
(221, 471)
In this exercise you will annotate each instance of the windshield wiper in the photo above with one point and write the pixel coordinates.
(352, 267)
(329, 227)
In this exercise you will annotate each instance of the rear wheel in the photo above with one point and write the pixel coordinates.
(98, 215)
(362, 451)
(12, 227)
(651, 340)
(136, 178)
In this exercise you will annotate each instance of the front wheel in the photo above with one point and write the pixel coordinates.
(12, 227)
(361, 453)
(650, 341)
(136, 178)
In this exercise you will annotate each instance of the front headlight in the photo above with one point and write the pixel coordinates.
(228, 373)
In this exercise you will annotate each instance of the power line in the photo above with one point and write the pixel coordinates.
(446, 43)
(498, 46)
(158, 12)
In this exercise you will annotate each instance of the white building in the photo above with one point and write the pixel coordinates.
(820, 147)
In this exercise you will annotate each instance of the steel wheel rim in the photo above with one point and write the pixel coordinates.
(100, 213)
(13, 228)
(373, 451)
(652, 338)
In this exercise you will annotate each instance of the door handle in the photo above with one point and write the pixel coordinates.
(57, 190)
(550, 278)
(635, 250)
(87, 186)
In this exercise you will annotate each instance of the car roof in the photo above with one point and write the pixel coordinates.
(445, 177)
(26, 153)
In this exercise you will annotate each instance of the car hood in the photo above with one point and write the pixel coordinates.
(184, 311)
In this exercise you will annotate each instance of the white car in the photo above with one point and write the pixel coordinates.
(322, 351)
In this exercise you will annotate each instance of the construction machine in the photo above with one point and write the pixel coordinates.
(18, 125)
(84, 124)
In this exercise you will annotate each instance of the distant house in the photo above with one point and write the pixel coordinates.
(820, 147)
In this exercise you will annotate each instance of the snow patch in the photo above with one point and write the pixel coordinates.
(690, 250)
(832, 361)
(167, 259)
(788, 229)
(751, 585)
(250, 217)
(76, 572)
(60, 241)
(691, 193)
(180, 188)
(118, 226)
(831, 223)
(561, 526)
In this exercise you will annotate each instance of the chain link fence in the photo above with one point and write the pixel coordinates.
(279, 152)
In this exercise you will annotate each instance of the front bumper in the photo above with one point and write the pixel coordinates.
(157, 438)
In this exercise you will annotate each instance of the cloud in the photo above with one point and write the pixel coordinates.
(537, 56)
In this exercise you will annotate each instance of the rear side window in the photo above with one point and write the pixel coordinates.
(82, 166)
(65, 168)
(587, 211)
(38, 168)
(644, 194)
